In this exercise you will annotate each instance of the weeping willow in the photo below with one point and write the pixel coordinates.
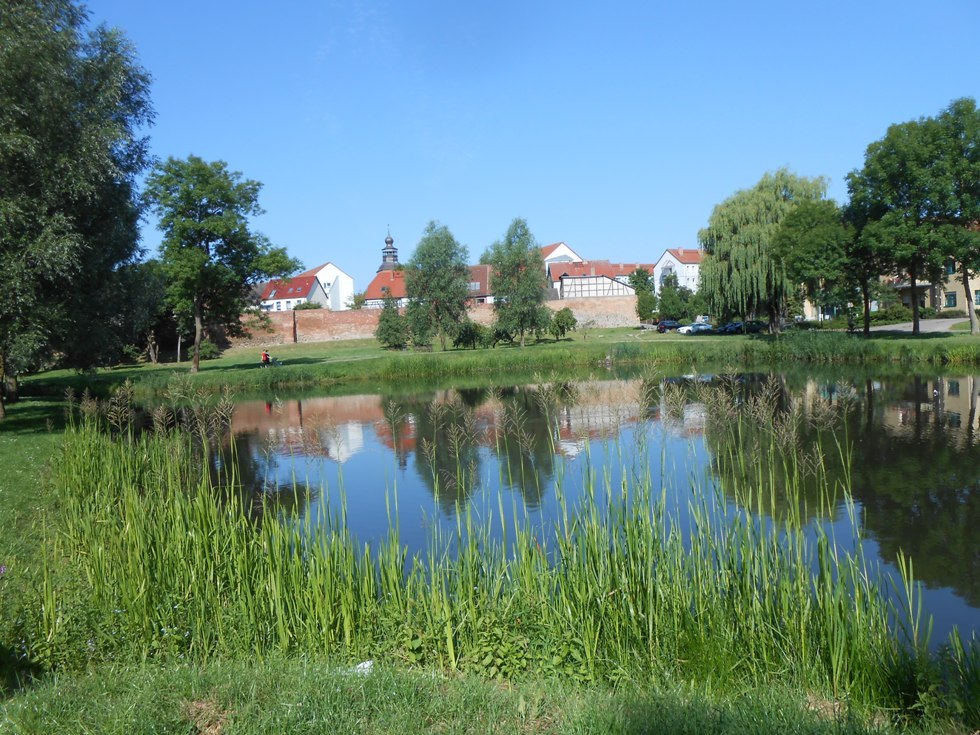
(739, 274)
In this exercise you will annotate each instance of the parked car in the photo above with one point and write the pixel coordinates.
(696, 328)
(754, 327)
(731, 328)
(667, 325)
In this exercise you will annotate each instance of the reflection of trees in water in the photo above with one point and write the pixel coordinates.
(241, 468)
(916, 477)
(919, 485)
(448, 437)
(770, 445)
(448, 432)
(526, 436)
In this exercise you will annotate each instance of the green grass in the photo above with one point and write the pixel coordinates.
(302, 696)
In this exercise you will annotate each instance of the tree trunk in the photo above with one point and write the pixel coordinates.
(970, 308)
(3, 391)
(915, 302)
(198, 332)
(866, 299)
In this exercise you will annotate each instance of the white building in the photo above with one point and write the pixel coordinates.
(337, 285)
(685, 263)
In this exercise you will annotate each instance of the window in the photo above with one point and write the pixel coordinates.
(950, 267)
(950, 299)
(474, 285)
(976, 298)
(278, 306)
(953, 387)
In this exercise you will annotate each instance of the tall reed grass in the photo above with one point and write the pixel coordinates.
(620, 589)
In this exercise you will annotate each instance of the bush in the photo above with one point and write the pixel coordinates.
(891, 315)
(307, 305)
(209, 350)
(470, 335)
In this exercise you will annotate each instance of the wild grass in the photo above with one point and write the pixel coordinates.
(624, 589)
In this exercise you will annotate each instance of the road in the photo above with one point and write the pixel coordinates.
(925, 325)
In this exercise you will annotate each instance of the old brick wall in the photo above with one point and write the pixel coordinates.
(323, 325)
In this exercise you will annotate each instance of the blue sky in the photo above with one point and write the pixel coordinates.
(615, 127)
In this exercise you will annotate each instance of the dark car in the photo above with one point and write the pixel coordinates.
(754, 327)
(731, 328)
(667, 325)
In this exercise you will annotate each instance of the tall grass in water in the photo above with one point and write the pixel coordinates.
(620, 590)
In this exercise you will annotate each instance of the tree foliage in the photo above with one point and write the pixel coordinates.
(437, 283)
(72, 103)
(211, 257)
(740, 273)
(562, 323)
(518, 280)
(392, 330)
(919, 192)
(812, 245)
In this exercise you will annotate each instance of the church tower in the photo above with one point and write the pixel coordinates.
(389, 255)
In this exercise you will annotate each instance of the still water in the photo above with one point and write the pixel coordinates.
(521, 454)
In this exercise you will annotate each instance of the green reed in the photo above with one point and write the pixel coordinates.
(625, 586)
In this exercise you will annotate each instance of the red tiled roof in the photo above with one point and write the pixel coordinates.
(297, 287)
(590, 268)
(314, 271)
(690, 256)
(392, 280)
(549, 249)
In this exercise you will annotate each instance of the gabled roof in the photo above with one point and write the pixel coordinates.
(593, 268)
(688, 256)
(393, 280)
(549, 249)
(297, 287)
(317, 269)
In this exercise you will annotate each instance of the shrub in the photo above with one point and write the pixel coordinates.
(470, 335)
(307, 305)
(209, 350)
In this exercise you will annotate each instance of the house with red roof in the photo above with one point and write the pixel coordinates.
(337, 285)
(559, 252)
(593, 278)
(685, 263)
(285, 294)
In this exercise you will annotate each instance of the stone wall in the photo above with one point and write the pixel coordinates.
(323, 325)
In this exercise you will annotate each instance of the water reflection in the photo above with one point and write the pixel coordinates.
(914, 471)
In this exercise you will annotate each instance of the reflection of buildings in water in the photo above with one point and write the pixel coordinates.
(311, 427)
(334, 426)
(949, 403)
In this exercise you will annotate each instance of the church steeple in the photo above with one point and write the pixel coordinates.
(389, 255)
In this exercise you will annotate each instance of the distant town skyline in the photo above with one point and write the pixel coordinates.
(615, 128)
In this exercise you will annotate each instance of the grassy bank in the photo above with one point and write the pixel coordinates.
(301, 696)
(326, 365)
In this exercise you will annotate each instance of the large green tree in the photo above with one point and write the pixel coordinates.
(437, 281)
(518, 281)
(812, 244)
(72, 103)
(894, 193)
(740, 273)
(211, 257)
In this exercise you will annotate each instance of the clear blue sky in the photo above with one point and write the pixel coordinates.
(615, 127)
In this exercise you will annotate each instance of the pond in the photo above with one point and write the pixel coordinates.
(524, 455)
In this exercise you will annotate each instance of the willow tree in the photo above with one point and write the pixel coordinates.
(437, 282)
(740, 273)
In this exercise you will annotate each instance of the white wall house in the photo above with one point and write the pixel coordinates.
(685, 263)
(337, 285)
(559, 252)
